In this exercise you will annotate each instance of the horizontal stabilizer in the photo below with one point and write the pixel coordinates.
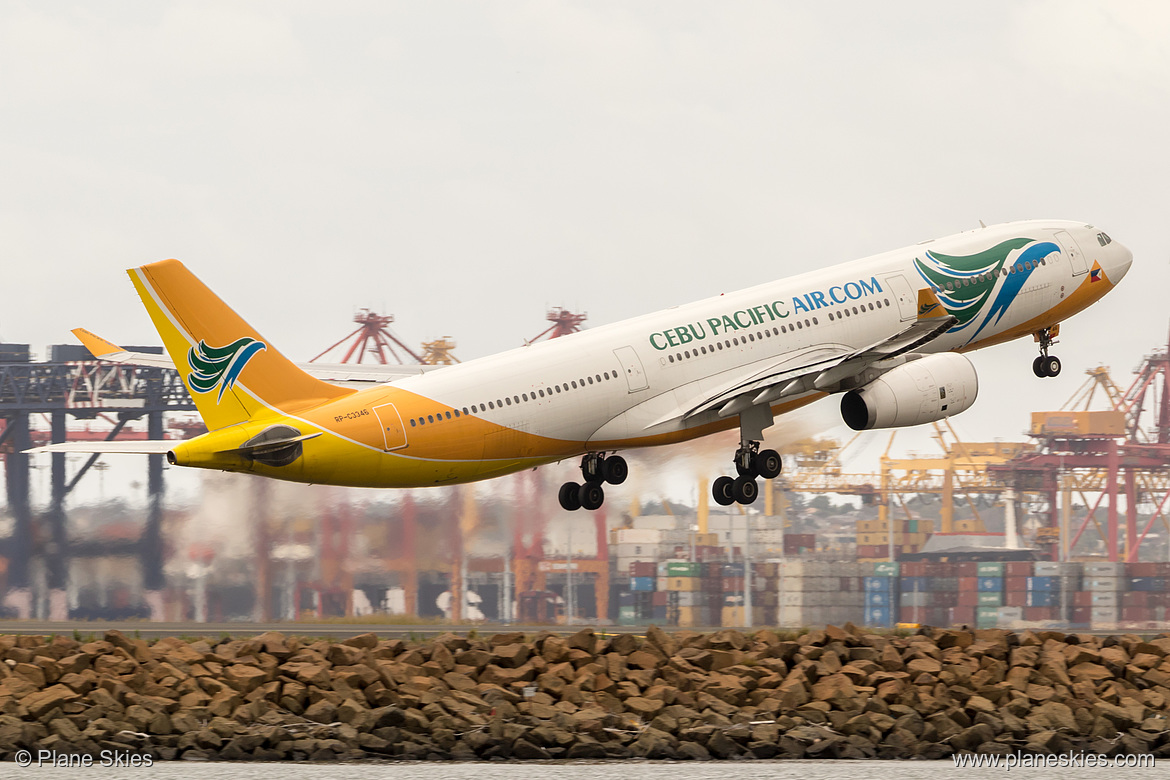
(150, 447)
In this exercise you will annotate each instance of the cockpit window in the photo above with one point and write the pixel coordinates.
(1103, 239)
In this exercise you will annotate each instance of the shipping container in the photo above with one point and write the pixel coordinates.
(879, 584)
(878, 617)
(642, 584)
(962, 615)
(987, 617)
(1100, 583)
(920, 599)
(966, 569)
(1056, 569)
(1040, 613)
(1044, 583)
(989, 569)
(643, 569)
(920, 584)
(878, 599)
(990, 585)
(984, 599)
(1136, 598)
(1104, 615)
(1015, 598)
(1017, 569)
(885, 569)
(1147, 584)
(1043, 598)
(1104, 569)
(14, 353)
(684, 583)
(1015, 584)
(1102, 598)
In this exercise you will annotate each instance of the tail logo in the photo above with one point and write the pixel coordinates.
(213, 367)
(1095, 274)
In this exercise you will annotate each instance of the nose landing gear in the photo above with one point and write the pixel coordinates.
(1046, 365)
(596, 469)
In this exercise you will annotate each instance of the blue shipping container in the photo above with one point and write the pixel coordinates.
(733, 570)
(915, 584)
(625, 599)
(990, 585)
(1043, 598)
(1043, 583)
(1148, 584)
(877, 599)
(878, 616)
(879, 584)
(642, 584)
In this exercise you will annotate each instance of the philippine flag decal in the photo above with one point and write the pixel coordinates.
(1096, 274)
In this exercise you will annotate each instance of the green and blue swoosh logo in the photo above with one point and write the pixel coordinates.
(213, 367)
(977, 280)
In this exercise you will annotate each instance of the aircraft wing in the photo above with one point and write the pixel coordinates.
(349, 374)
(823, 367)
(149, 447)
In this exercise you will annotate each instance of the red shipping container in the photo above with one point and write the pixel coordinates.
(1135, 598)
(914, 569)
(968, 583)
(967, 569)
(1015, 584)
(1015, 598)
(943, 598)
(1040, 613)
(1082, 598)
(1141, 569)
(968, 598)
(963, 615)
(1018, 569)
(1163, 570)
(643, 569)
(1140, 614)
(1082, 615)
(915, 614)
(660, 598)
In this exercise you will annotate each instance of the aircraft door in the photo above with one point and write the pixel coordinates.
(393, 431)
(907, 301)
(1076, 259)
(632, 366)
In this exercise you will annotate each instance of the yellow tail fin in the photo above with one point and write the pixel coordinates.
(233, 374)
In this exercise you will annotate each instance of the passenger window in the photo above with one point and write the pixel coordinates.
(671, 358)
(558, 387)
(815, 321)
(524, 397)
(719, 344)
(412, 423)
(830, 316)
(491, 405)
(448, 415)
(775, 331)
(430, 418)
(751, 337)
(798, 325)
(598, 377)
(465, 410)
(574, 384)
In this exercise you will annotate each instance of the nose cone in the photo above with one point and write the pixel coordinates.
(1120, 261)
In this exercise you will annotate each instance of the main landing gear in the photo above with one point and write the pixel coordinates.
(1046, 365)
(595, 469)
(750, 463)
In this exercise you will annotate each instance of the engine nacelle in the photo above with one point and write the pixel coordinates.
(920, 391)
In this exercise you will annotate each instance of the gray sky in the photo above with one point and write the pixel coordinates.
(465, 165)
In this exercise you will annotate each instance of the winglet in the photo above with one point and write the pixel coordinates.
(928, 306)
(95, 343)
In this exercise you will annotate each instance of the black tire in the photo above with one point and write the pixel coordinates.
(721, 491)
(591, 495)
(745, 490)
(1052, 366)
(615, 470)
(769, 464)
(1038, 366)
(569, 496)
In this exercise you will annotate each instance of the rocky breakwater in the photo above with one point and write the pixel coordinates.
(833, 693)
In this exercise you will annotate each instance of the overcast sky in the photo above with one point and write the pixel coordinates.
(465, 165)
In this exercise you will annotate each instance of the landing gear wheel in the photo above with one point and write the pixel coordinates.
(569, 496)
(591, 495)
(1038, 366)
(745, 490)
(1052, 366)
(615, 470)
(722, 491)
(768, 463)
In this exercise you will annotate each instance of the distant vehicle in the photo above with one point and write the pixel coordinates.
(886, 333)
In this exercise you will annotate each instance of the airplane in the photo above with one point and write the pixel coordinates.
(886, 333)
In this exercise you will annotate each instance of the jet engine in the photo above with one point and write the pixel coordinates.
(920, 391)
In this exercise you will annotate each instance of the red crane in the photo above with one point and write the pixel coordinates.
(563, 322)
(372, 335)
